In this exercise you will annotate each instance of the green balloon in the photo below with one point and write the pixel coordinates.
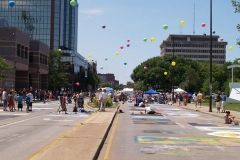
(145, 39)
(165, 26)
(73, 3)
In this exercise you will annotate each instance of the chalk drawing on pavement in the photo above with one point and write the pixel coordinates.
(199, 141)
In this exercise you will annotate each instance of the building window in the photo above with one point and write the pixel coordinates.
(26, 53)
(30, 57)
(22, 51)
(19, 50)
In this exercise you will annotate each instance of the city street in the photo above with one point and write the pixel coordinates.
(23, 134)
(177, 135)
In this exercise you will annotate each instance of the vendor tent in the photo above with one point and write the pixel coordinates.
(151, 91)
(179, 90)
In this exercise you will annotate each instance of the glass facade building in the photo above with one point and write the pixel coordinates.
(54, 22)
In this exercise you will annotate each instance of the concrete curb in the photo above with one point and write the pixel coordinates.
(105, 136)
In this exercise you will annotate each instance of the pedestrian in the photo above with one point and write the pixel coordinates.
(195, 100)
(27, 102)
(11, 101)
(99, 99)
(104, 100)
(218, 101)
(30, 95)
(4, 99)
(19, 102)
(223, 104)
(200, 98)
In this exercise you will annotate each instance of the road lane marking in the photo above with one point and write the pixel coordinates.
(9, 124)
(180, 125)
(109, 146)
(58, 139)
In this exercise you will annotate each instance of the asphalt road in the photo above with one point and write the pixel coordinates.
(177, 135)
(23, 134)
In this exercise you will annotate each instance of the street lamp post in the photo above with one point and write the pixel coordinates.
(210, 67)
(173, 63)
(73, 73)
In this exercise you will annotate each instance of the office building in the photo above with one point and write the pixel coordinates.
(54, 22)
(195, 47)
(27, 59)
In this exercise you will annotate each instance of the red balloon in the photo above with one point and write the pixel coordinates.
(203, 25)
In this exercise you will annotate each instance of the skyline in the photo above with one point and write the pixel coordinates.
(134, 20)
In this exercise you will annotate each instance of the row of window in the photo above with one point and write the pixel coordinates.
(43, 59)
(194, 51)
(206, 45)
(202, 56)
(22, 51)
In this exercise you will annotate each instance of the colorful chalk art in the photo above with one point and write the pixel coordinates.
(226, 132)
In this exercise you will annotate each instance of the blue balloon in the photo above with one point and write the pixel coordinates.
(11, 4)
(125, 63)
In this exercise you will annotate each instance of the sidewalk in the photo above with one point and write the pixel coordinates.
(83, 141)
(205, 109)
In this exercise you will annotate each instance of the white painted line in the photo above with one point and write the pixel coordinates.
(220, 148)
(60, 120)
(40, 108)
(9, 124)
(182, 126)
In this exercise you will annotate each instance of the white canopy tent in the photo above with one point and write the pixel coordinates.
(179, 90)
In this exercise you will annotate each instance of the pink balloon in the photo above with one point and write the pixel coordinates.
(121, 47)
(77, 84)
(203, 24)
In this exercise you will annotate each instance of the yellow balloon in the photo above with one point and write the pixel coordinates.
(165, 73)
(152, 39)
(173, 63)
(231, 48)
(117, 53)
(182, 23)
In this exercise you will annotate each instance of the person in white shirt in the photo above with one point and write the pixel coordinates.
(104, 100)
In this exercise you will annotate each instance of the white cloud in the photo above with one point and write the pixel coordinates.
(91, 12)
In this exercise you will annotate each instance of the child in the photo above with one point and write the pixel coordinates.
(19, 101)
(229, 119)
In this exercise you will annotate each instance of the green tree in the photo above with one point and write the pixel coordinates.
(236, 5)
(58, 76)
(3, 68)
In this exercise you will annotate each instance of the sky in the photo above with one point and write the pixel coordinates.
(135, 20)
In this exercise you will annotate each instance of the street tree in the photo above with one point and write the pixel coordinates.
(58, 75)
(3, 68)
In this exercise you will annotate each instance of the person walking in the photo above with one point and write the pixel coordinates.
(104, 100)
(4, 99)
(11, 101)
(19, 102)
(223, 102)
(99, 99)
(195, 100)
(218, 101)
(200, 98)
